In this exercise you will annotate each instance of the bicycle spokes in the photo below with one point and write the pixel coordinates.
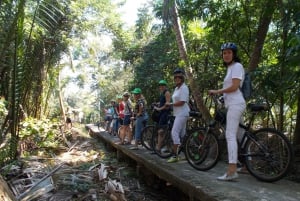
(202, 150)
(268, 156)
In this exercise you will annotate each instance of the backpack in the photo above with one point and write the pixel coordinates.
(246, 87)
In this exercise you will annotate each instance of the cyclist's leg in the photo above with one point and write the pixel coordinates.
(116, 126)
(111, 126)
(129, 134)
(162, 126)
(145, 120)
(138, 129)
(178, 129)
(234, 114)
(125, 129)
(160, 138)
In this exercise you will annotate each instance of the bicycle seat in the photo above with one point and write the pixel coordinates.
(253, 107)
(195, 114)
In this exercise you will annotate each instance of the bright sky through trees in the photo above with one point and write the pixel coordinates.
(129, 10)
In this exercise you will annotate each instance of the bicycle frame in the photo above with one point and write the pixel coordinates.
(249, 136)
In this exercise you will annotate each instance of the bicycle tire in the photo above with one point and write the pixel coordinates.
(202, 150)
(272, 161)
(146, 136)
(166, 147)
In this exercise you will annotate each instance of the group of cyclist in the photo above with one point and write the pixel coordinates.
(179, 100)
(120, 115)
(234, 102)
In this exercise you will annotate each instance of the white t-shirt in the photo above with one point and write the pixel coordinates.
(181, 94)
(235, 70)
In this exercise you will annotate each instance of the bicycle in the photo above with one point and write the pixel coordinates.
(146, 137)
(266, 152)
(165, 150)
(149, 130)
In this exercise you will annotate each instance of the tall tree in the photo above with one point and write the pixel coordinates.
(32, 44)
(170, 14)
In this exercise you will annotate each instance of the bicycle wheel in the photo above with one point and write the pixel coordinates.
(146, 136)
(165, 150)
(202, 150)
(269, 155)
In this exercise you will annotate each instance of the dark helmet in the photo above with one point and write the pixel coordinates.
(229, 45)
(179, 70)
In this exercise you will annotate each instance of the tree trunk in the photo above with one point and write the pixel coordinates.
(183, 55)
(296, 138)
(261, 34)
(61, 103)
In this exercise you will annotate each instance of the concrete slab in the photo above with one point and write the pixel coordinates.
(204, 185)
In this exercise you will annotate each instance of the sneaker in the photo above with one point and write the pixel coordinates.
(226, 177)
(173, 159)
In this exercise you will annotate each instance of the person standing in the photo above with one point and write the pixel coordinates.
(140, 114)
(107, 118)
(165, 110)
(69, 121)
(125, 129)
(180, 100)
(115, 117)
(235, 104)
(121, 108)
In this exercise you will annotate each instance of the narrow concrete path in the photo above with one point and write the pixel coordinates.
(203, 186)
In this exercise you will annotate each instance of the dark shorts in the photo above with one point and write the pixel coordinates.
(108, 118)
(121, 121)
(126, 120)
(163, 119)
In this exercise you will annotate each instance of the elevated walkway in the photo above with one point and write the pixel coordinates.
(203, 186)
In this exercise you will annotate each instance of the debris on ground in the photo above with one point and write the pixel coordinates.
(77, 174)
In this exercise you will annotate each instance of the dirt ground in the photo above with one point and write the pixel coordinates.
(84, 170)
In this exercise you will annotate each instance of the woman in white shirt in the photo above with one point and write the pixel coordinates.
(235, 104)
(180, 99)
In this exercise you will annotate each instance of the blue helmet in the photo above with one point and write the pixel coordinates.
(229, 45)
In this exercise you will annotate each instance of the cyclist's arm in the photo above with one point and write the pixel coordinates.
(168, 101)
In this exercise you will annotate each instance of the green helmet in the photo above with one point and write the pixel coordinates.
(162, 82)
(137, 91)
